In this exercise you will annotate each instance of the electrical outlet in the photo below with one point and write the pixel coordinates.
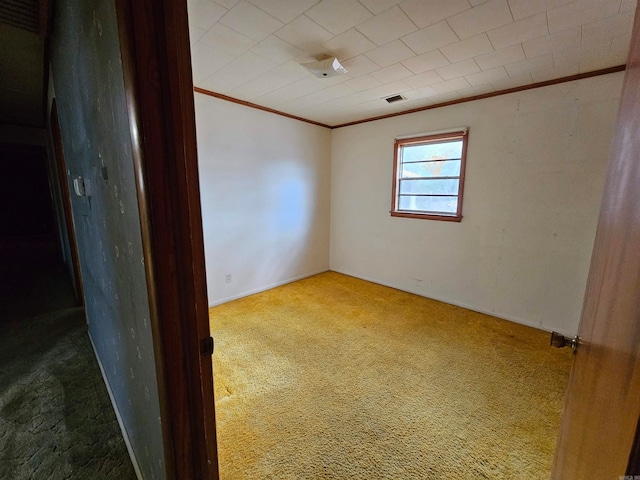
(227, 278)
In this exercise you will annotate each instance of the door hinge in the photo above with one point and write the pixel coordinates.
(206, 346)
(559, 341)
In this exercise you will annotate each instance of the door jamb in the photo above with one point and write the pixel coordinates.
(61, 170)
(156, 60)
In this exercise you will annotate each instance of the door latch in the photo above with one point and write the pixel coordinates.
(206, 346)
(559, 341)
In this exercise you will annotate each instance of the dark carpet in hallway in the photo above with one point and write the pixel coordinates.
(56, 419)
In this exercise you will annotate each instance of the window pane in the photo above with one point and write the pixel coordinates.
(432, 151)
(447, 205)
(450, 168)
(442, 187)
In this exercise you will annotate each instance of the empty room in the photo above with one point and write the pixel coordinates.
(399, 203)
(347, 239)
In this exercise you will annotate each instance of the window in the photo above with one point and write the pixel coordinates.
(428, 176)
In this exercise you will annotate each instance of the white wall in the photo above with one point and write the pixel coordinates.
(535, 172)
(264, 182)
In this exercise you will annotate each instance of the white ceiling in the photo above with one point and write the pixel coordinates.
(429, 51)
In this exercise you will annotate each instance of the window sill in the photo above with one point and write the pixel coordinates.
(428, 216)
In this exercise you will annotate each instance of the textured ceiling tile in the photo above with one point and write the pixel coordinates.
(476, 90)
(464, 49)
(524, 67)
(620, 45)
(360, 65)
(426, 61)
(206, 61)
(338, 16)
(423, 79)
(305, 34)
(617, 55)
(362, 98)
(599, 9)
(284, 10)
(450, 85)
(279, 51)
(204, 13)
(331, 81)
(500, 57)
(321, 96)
(552, 43)
(391, 74)
(565, 17)
(570, 57)
(430, 38)
(277, 78)
(388, 26)
(227, 3)
(227, 41)
(555, 72)
(240, 71)
(347, 101)
(252, 22)
(595, 57)
(389, 89)
(513, 82)
(487, 76)
(378, 6)
(607, 28)
(446, 96)
(195, 34)
(420, 93)
(520, 31)
(489, 15)
(291, 91)
(363, 82)
(580, 12)
(390, 53)
(458, 69)
(425, 13)
(349, 44)
(526, 8)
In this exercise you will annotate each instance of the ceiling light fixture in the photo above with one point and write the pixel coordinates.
(325, 67)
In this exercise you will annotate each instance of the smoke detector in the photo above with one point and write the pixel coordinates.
(325, 67)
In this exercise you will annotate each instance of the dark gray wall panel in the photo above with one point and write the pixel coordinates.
(88, 82)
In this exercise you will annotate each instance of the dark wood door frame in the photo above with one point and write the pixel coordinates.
(61, 170)
(154, 44)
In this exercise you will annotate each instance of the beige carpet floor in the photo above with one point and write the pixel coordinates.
(335, 377)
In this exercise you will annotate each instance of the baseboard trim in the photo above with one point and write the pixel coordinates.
(447, 300)
(127, 442)
(267, 287)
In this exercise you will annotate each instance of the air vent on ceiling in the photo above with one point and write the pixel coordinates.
(20, 13)
(395, 98)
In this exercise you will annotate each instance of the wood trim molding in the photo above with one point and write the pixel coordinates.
(556, 81)
(154, 43)
(256, 106)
